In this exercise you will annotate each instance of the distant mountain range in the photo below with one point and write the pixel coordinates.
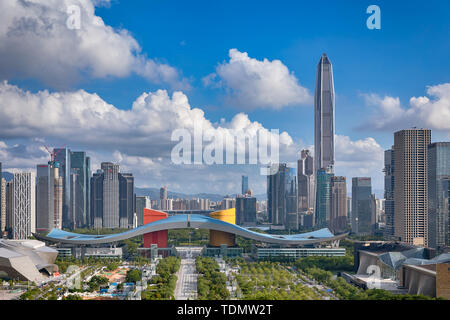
(153, 193)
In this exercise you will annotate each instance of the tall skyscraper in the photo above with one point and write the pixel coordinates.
(62, 155)
(2, 214)
(88, 192)
(438, 195)
(126, 192)
(323, 198)
(21, 205)
(97, 199)
(49, 197)
(244, 184)
(112, 197)
(363, 219)
(338, 213)
(78, 161)
(324, 116)
(142, 202)
(282, 194)
(389, 192)
(306, 178)
(411, 185)
(3, 206)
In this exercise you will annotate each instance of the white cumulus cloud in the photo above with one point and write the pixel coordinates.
(258, 84)
(36, 42)
(432, 111)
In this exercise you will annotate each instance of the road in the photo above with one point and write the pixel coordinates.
(186, 287)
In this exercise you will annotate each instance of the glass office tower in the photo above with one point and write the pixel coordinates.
(282, 194)
(438, 195)
(323, 197)
(363, 220)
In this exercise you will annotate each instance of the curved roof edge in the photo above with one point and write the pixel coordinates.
(192, 221)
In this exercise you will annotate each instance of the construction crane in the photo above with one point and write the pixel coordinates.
(53, 154)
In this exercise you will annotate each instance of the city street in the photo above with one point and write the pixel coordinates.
(186, 287)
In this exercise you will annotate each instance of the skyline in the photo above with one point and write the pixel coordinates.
(91, 112)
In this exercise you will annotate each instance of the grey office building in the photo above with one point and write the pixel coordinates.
(112, 197)
(389, 192)
(411, 186)
(63, 157)
(97, 200)
(49, 191)
(21, 205)
(306, 178)
(81, 168)
(338, 212)
(438, 194)
(282, 194)
(324, 115)
(246, 211)
(126, 200)
(363, 223)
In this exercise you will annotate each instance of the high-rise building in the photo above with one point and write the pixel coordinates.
(49, 197)
(163, 193)
(112, 197)
(142, 202)
(62, 155)
(105, 196)
(126, 192)
(306, 177)
(79, 164)
(73, 197)
(97, 200)
(363, 221)
(338, 212)
(411, 185)
(324, 116)
(3, 206)
(88, 192)
(2, 214)
(282, 195)
(244, 184)
(389, 192)
(246, 210)
(349, 210)
(438, 195)
(323, 197)
(21, 198)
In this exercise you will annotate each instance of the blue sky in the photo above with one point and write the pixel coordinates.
(408, 54)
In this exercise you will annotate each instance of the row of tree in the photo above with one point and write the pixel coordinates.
(270, 281)
(162, 286)
(211, 283)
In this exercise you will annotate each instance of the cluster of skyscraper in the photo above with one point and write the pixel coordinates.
(62, 194)
(417, 189)
(312, 195)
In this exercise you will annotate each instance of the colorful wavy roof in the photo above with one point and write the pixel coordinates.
(192, 221)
